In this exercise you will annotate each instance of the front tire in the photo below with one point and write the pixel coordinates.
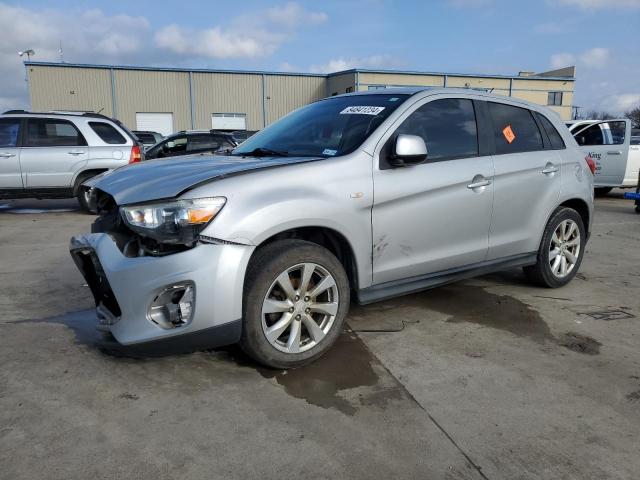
(296, 298)
(561, 250)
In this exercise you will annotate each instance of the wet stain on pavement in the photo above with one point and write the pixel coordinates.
(346, 377)
(473, 304)
(579, 343)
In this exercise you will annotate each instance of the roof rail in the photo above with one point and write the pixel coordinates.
(9, 112)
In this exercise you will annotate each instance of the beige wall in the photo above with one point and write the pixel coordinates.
(227, 93)
(75, 89)
(397, 79)
(285, 93)
(153, 92)
(83, 88)
(339, 83)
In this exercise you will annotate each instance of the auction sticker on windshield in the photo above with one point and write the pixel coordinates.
(362, 110)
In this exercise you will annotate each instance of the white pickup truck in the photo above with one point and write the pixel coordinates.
(610, 145)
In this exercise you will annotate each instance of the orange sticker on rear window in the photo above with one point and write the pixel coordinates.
(508, 134)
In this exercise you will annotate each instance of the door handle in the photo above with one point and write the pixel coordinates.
(549, 169)
(7, 155)
(76, 152)
(614, 152)
(478, 182)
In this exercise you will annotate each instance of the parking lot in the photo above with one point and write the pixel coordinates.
(489, 378)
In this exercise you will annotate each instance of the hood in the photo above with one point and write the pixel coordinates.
(168, 178)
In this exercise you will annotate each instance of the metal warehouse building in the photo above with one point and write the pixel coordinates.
(173, 99)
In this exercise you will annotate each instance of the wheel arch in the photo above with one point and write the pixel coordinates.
(580, 206)
(326, 237)
(84, 175)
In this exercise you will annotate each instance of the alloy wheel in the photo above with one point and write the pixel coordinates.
(564, 248)
(300, 308)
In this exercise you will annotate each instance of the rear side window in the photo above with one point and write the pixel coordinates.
(9, 128)
(50, 132)
(603, 133)
(448, 127)
(146, 138)
(515, 130)
(203, 142)
(554, 137)
(107, 133)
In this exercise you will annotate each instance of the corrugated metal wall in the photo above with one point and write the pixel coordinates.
(286, 93)
(153, 91)
(338, 84)
(227, 93)
(55, 87)
(65, 88)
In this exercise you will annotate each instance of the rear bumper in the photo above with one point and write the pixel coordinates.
(124, 288)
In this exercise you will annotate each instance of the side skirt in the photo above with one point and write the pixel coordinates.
(405, 286)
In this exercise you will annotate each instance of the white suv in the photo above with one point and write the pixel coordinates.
(50, 155)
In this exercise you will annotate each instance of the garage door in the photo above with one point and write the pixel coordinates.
(155, 122)
(229, 121)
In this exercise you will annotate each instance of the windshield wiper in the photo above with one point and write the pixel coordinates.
(263, 152)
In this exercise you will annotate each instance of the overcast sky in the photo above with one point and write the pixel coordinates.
(467, 36)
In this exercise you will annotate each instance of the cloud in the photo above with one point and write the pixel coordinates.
(92, 36)
(252, 35)
(292, 15)
(469, 3)
(217, 42)
(597, 57)
(342, 63)
(621, 102)
(560, 60)
(599, 4)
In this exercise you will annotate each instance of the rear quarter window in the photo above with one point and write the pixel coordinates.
(515, 129)
(554, 137)
(108, 133)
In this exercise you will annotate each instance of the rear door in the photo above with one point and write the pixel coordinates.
(10, 175)
(607, 142)
(527, 181)
(434, 216)
(53, 151)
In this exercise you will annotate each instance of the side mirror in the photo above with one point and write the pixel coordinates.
(408, 150)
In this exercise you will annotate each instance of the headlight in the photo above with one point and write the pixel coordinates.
(179, 221)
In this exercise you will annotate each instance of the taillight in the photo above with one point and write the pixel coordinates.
(136, 155)
(591, 163)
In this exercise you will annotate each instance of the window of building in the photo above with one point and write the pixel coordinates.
(448, 127)
(554, 137)
(107, 133)
(9, 128)
(376, 87)
(49, 132)
(229, 121)
(554, 98)
(515, 130)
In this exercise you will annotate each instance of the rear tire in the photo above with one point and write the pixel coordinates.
(296, 297)
(602, 191)
(561, 250)
(82, 193)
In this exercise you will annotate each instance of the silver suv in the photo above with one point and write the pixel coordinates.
(50, 155)
(364, 196)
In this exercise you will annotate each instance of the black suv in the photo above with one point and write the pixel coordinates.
(188, 142)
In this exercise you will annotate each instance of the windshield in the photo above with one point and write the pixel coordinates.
(331, 127)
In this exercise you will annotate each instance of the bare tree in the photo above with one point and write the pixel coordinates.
(598, 115)
(634, 116)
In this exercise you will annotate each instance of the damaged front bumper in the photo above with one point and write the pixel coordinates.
(127, 290)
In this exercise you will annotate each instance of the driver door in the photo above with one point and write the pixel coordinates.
(435, 216)
(607, 143)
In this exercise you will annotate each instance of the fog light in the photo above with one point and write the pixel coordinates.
(173, 306)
